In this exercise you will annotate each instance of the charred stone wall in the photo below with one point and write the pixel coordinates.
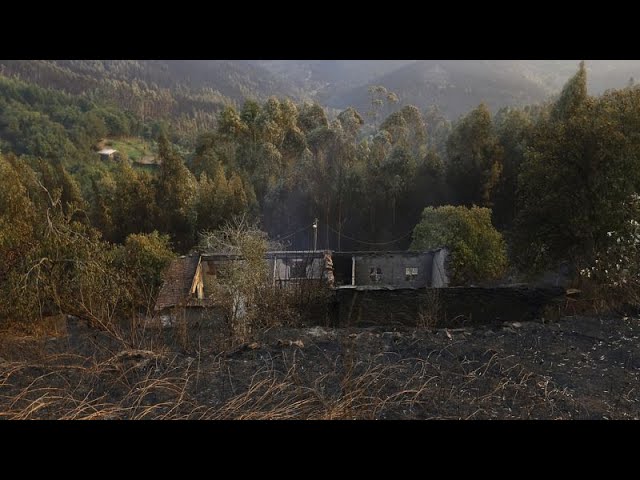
(441, 307)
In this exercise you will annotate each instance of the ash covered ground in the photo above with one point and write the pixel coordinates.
(575, 368)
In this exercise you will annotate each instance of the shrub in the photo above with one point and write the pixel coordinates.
(616, 269)
(144, 257)
(477, 249)
(240, 282)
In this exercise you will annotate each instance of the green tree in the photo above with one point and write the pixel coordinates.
(176, 194)
(582, 167)
(475, 158)
(381, 100)
(131, 202)
(143, 258)
(573, 96)
(477, 250)
(18, 217)
(514, 128)
(312, 116)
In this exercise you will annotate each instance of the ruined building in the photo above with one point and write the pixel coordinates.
(188, 280)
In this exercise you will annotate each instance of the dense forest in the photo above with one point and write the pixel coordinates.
(558, 179)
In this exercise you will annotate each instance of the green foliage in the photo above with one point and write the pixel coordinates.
(55, 262)
(581, 168)
(129, 200)
(514, 128)
(176, 195)
(381, 100)
(572, 97)
(17, 219)
(616, 268)
(67, 269)
(475, 158)
(312, 116)
(144, 257)
(477, 249)
(219, 200)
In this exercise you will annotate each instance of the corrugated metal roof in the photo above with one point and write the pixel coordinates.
(107, 151)
(177, 282)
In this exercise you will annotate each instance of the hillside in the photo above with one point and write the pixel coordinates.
(233, 79)
(193, 91)
(456, 86)
(313, 76)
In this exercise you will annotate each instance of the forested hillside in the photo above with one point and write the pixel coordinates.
(110, 170)
(558, 176)
(186, 94)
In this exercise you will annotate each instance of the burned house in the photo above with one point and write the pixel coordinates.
(189, 282)
(396, 269)
(288, 268)
(366, 288)
(182, 294)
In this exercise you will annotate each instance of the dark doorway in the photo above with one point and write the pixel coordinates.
(342, 269)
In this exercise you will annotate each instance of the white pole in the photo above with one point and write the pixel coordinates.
(315, 234)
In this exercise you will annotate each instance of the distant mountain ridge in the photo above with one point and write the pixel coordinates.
(235, 79)
(455, 85)
(203, 87)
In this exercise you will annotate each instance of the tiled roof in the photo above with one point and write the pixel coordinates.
(177, 282)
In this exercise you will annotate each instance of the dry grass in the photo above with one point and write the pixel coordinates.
(430, 310)
(145, 384)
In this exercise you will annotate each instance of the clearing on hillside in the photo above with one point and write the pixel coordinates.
(138, 150)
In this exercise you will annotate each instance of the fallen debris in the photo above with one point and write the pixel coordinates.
(290, 343)
(132, 360)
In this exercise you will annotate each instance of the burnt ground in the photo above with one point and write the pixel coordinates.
(576, 368)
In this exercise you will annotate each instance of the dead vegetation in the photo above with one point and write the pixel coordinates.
(430, 310)
(325, 374)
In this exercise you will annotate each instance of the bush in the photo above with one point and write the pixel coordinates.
(240, 283)
(616, 268)
(477, 249)
(144, 257)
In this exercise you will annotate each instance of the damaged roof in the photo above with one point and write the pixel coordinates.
(177, 282)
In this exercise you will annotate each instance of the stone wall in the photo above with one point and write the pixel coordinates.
(441, 307)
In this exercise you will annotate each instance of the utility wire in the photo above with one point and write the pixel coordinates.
(292, 234)
(371, 243)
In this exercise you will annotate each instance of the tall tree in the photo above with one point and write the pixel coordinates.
(582, 169)
(573, 96)
(514, 128)
(475, 158)
(176, 196)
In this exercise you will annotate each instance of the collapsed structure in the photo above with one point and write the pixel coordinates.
(365, 288)
(188, 282)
